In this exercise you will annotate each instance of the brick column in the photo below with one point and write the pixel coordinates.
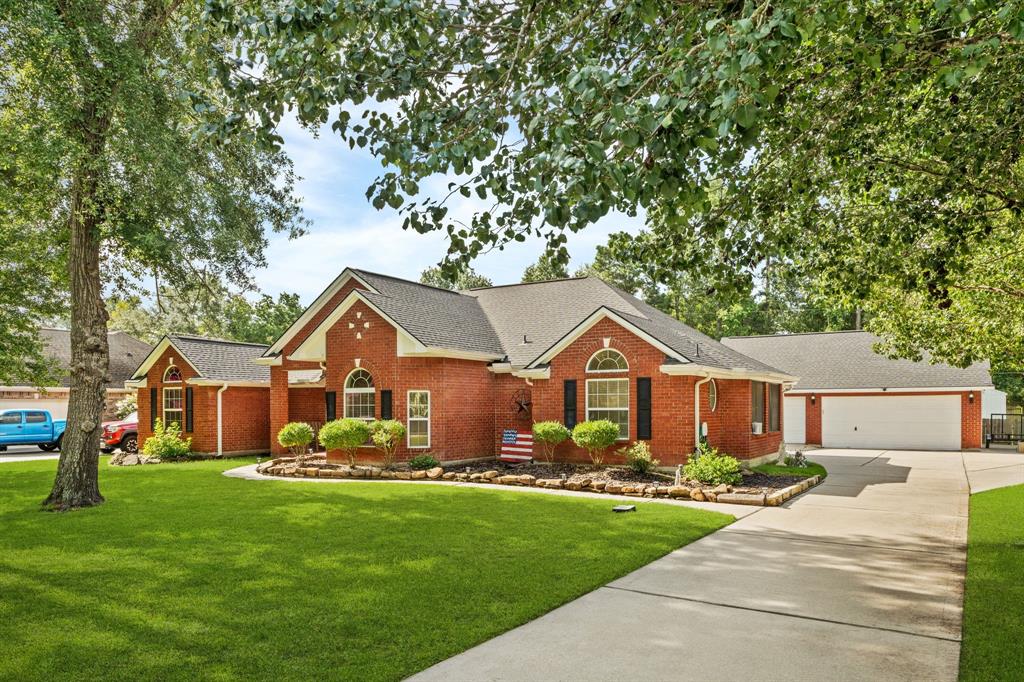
(278, 406)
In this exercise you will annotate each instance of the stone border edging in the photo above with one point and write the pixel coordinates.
(278, 468)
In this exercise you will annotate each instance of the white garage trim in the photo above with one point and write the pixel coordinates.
(894, 422)
(794, 423)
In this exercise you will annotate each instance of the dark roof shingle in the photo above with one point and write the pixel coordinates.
(846, 360)
(222, 360)
(126, 352)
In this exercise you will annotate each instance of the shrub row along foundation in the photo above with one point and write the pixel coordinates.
(288, 467)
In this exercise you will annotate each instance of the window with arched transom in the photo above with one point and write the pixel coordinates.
(607, 360)
(360, 395)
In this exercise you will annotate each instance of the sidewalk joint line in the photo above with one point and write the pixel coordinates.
(781, 536)
(785, 615)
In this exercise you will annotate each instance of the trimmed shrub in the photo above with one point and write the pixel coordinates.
(708, 466)
(550, 435)
(345, 435)
(296, 436)
(423, 462)
(167, 443)
(595, 437)
(638, 457)
(386, 434)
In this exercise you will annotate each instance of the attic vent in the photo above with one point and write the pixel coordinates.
(525, 340)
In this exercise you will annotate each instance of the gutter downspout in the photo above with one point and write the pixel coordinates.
(696, 409)
(220, 420)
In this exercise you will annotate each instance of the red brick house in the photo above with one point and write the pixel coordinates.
(459, 368)
(849, 396)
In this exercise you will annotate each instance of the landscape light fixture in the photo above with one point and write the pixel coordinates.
(618, 509)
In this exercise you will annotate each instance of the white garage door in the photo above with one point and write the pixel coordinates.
(794, 419)
(898, 422)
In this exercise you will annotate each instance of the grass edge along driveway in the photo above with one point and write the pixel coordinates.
(993, 638)
(185, 573)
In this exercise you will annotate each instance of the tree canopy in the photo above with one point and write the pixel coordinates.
(464, 278)
(113, 175)
(875, 146)
(548, 266)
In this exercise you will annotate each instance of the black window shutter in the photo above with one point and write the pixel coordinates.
(152, 409)
(385, 405)
(188, 409)
(569, 403)
(643, 408)
(331, 399)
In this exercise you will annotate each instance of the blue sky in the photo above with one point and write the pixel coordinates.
(347, 230)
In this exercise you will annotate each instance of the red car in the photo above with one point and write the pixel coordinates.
(122, 434)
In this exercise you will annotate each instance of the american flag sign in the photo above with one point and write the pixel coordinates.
(516, 446)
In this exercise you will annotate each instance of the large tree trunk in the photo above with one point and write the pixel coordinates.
(77, 481)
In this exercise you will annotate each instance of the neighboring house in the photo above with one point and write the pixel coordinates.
(461, 368)
(125, 353)
(850, 396)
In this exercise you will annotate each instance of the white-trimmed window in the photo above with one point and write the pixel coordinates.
(172, 375)
(712, 395)
(418, 414)
(607, 360)
(173, 406)
(359, 395)
(609, 399)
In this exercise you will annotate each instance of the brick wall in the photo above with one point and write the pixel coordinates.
(672, 413)
(306, 404)
(461, 391)
(245, 410)
(970, 420)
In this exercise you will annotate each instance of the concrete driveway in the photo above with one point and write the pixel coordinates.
(860, 578)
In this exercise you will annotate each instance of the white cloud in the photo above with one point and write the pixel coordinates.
(347, 231)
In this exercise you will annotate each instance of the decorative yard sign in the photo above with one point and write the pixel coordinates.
(516, 446)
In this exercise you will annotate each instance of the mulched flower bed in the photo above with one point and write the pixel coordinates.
(756, 488)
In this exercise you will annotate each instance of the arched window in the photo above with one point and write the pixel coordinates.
(359, 395)
(607, 360)
(172, 375)
(713, 395)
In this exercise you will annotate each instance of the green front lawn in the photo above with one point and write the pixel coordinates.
(187, 574)
(812, 469)
(993, 644)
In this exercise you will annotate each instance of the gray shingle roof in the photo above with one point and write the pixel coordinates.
(846, 360)
(436, 317)
(223, 360)
(126, 352)
(546, 311)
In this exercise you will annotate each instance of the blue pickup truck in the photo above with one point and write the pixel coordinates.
(30, 427)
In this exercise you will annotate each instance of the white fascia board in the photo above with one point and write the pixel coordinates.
(693, 369)
(314, 308)
(155, 354)
(594, 318)
(888, 389)
(535, 373)
(268, 362)
(135, 383)
(314, 348)
(500, 367)
(218, 382)
(435, 352)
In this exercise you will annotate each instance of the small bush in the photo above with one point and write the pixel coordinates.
(423, 462)
(708, 466)
(296, 436)
(550, 435)
(386, 434)
(345, 435)
(798, 460)
(167, 443)
(595, 437)
(638, 457)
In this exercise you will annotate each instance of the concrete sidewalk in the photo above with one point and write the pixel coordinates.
(990, 469)
(861, 578)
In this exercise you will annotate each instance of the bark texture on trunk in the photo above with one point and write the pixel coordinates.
(77, 481)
